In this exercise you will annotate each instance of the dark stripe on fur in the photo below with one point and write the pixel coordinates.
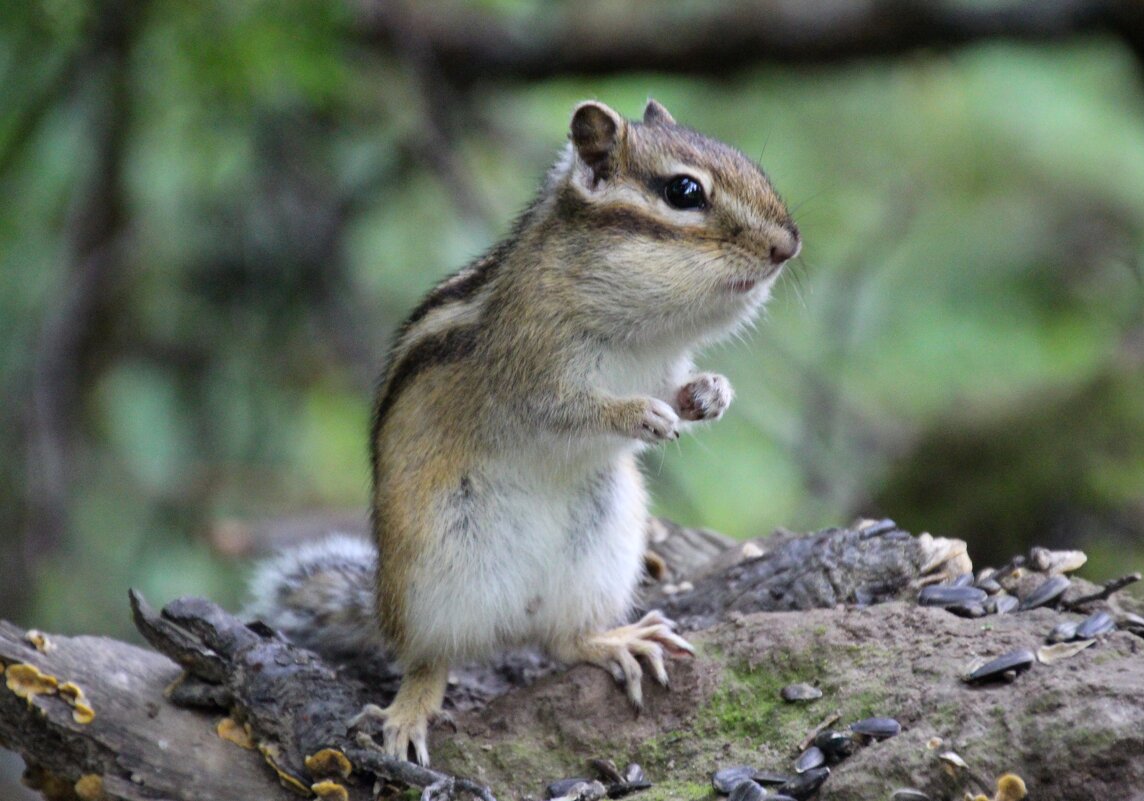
(479, 273)
(454, 288)
(614, 218)
(449, 346)
(629, 221)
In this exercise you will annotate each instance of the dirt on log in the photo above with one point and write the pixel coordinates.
(95, 718)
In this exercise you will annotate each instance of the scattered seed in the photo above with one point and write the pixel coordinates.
(561, 787)
(1046, 561)
(1046, 592)
(577, 789)
(878, 728)
(607, 770)
(964, 580)
(589, 791)
(634, 774)
(766, 778)
(909, 794)
(990, 585)
(747, 791)
(1132, 622)
(954, 764)
(834, 744)
(40, 641)
(941, 595)
(940, 555)
(1048, 654)
(800, 692)
(806, 784)
(809, 759)
(1063, 632)
(1095, 625)
(951, 758)
(1002, 604)
(1010, 571)
(873, 528)
(808, 741)
(1015, 661)
(725, 780)
(967, 610)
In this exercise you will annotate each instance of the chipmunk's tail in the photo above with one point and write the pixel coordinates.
(321, 596)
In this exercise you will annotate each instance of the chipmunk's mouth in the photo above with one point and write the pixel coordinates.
(742, 285)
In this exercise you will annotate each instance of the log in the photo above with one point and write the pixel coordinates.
(231, 710)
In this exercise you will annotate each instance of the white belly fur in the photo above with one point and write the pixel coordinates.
(552, 553)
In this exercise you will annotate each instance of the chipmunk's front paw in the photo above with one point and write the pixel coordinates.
(705, 397)
(658, 423)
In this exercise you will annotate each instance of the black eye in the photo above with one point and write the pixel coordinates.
(684, 192)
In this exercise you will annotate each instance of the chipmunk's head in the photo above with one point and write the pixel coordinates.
(689, 228)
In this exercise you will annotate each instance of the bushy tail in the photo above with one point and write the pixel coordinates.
(321, 596)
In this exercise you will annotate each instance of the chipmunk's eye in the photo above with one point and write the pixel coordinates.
(684, 192)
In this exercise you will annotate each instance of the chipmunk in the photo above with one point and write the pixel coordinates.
(507, 505)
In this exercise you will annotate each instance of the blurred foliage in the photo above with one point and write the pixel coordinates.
(961, 346)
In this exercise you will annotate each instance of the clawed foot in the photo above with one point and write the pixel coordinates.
(405, 722)
(705, 397)
(618, 651)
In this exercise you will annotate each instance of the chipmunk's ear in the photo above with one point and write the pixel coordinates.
(656, 114)
(597, 133)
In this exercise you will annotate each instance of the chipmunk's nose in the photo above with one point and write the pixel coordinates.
(786, 246)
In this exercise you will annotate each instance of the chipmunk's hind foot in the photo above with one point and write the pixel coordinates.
(619, 650)
(405, 722)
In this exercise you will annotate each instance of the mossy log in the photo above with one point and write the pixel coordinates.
(240, 713)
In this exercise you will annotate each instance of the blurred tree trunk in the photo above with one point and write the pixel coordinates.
(469, 44)
(62, 366)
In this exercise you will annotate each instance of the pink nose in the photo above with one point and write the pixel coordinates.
(785, 249)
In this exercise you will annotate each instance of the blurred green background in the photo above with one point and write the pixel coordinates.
(215, 213)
